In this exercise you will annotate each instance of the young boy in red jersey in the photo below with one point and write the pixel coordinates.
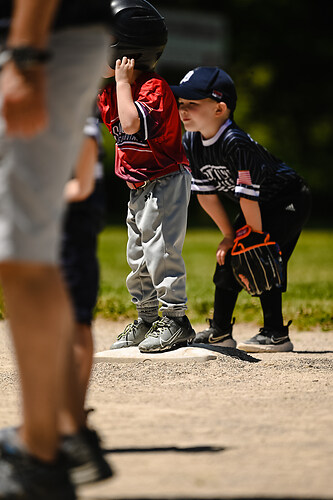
(141, 112)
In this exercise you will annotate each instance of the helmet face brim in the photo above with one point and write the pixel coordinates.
(145, 57)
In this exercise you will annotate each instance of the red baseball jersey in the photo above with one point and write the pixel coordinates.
(157, 147)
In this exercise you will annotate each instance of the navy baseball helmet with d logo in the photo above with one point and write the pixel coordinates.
(139, 33)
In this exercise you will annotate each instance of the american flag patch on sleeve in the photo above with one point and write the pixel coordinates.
(244, 177)
(245, 188)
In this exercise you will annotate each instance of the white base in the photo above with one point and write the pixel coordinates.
(132, 354)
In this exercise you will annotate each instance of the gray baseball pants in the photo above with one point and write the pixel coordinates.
(157, 221)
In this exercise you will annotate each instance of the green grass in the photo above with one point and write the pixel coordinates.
(308, 302)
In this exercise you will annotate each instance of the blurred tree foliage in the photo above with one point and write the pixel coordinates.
(280, 57)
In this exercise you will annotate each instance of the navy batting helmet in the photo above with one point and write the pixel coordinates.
(140, 33)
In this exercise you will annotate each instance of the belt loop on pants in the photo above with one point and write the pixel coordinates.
(137, 185)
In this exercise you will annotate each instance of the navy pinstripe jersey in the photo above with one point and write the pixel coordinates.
(231, 162)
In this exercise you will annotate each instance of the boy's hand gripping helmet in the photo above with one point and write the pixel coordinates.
(139, 32)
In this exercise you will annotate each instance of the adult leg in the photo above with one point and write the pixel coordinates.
(74, 108)
(80, 268)
(41, 322)
(79, 263)
(83, 346)
(36, 171)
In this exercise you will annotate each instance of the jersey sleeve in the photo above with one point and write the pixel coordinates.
(247, 186)
(91, 128)
(106, 103)
(150, 106)
(202, 182)
(247, 165)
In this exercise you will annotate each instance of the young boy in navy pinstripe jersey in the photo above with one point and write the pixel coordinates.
(272, 198)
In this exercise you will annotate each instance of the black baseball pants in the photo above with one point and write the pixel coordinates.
(283, 219)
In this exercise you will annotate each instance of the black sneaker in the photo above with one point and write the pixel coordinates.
(84, 455)
(268, 340)
(167, 333)
(214, 335)
(133, 334)
(23, 477)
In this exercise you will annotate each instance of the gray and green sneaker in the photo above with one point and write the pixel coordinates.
(167, 333)
(133, 334)
(268, 340)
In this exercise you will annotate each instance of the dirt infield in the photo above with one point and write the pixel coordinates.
(240, 426)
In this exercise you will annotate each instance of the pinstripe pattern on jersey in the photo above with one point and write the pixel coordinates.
(216, 164)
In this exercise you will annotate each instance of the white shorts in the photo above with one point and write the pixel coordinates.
(33, 172)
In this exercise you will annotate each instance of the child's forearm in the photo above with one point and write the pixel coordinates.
(214, 208)
(252, 214)
(82, 185)
(128, 114)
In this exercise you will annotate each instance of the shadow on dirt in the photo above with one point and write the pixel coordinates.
(208, 498)
(313, 352)
(164, 449)
(228, 351)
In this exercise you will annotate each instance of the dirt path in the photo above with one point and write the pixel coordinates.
(258, 426)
